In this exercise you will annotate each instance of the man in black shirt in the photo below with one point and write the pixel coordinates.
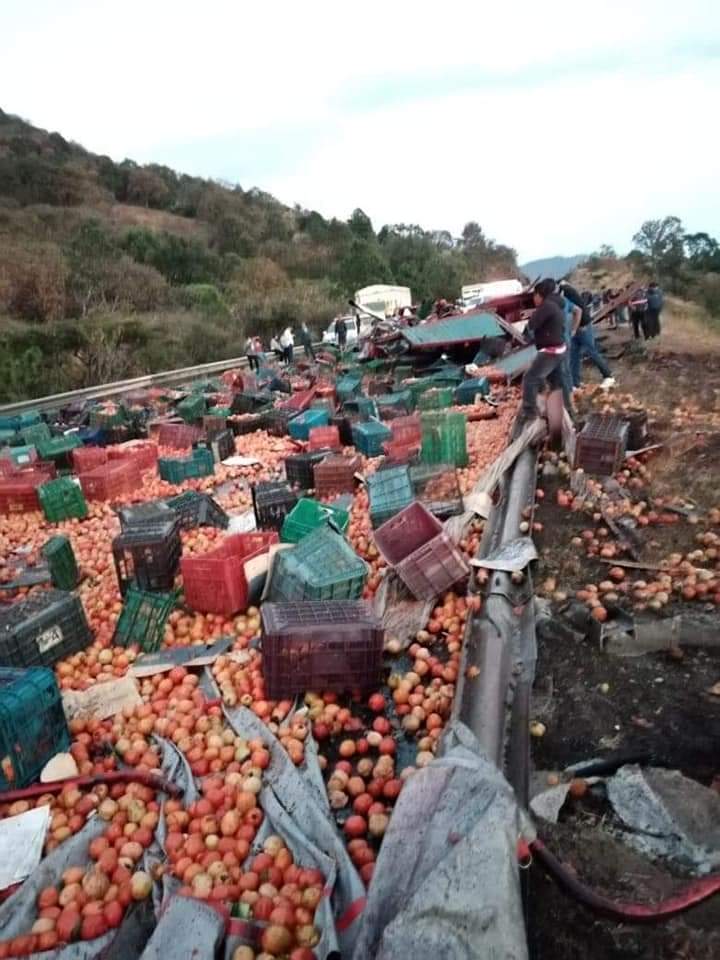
(547, 324)
(583, 341)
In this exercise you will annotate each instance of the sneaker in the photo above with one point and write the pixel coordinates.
(607, 383)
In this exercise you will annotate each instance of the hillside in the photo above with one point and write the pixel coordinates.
(555, 267)
(115, 269)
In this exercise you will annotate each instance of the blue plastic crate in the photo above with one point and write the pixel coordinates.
(466, 392)
(32, 724)
(369, 437)
(299, 428)
(323, 566)
(390, 491)
(18, 421)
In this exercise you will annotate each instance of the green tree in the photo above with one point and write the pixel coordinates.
(703, 252)
(363, 264)
(661, 241)
(361, 225)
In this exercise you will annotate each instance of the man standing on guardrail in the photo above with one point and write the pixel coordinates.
(547, 324)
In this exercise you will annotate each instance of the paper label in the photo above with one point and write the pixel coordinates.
(49, 638)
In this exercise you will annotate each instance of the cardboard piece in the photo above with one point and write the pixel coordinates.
(21, 844)
(102, 700)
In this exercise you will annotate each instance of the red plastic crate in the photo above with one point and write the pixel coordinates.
(324, 438)
(397, 452)
(424, 557)
(179, 436)
(406, 430)
(144, 453)
(18, 494)
(88, 458)
(7, 467)
(326, 391)
(299, 401)
(336, 474)
(320, 645)
(215, 582)
(111, 481)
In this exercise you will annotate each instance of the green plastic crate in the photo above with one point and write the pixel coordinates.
(18, 421)
(466, 392)
(192, 408)
(436, 398)
(444, 438)
(100, 417)
(60, 556)
(363, 407)
(418, 387)
(143, 618)
(323, 566)
(400, 401)
(38, 431)
(390, 491)
(369, 437)
(348, 386)
(223, 412)
(62, 499)
(8, 437)
(200, 464)
(57, 447)
(307, 515)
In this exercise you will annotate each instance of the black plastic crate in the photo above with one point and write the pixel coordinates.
(198, 510)
(243, 424)
(148, 558)
(300, 466)
(329, 645)
(272, 502)
(344, 425)
(601, 444)
(42, 629)
(222, 445)
(277, 422)
(32, 724)
(250, 402)
(143, 515)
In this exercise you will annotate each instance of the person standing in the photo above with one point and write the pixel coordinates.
(655, 302)
(287, 342)
(583, 342)
(250, 353)
(547, 324)
(638, 313)
(306, 341)
(572, 315)
(341, 332)
(358, 324)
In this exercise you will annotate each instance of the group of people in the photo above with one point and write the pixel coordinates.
(281, 346)
(645, 309)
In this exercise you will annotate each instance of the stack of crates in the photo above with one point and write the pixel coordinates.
(112, 481)
(62, 499)
(301, 425)
(444, 438)
(307, 515)
(369, 437)
(142, 619)
(272, 502)
(468, 390)
(323, 566)
(61, 561)
(415, 544)
(32, 724)
(200, 463)
(336, 645)
(389, 492)
(148, 556)
(41, 629)
(216, 582)
(299, 468)
(335, 475)
(601, 444)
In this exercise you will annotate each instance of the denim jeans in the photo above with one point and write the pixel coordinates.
(545, 366)
(583, 344)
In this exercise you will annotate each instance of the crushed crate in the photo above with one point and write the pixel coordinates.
(334, 645)
(299, 468)
(389, 492)
(324, 438)
(142, 514)
(142, 452)
(427, 561)
(43, 628)
(368, 437)
(198, 510)
(111, 482)
(600, 447)
(299, 428)
(62, 499)
(88, 458)
(179, 436)
(307, 515)
(149, 557)
(142, 619)
(32, 724)
(437, 488)
(323, 566)
(200, 463)
(444, 438)
(216, 582)
(467, 391)
(272, 502)
(336, 474)
(221, 445)
(61, 561)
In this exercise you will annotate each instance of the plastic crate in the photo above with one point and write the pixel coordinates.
(299, 468)
(436, 398)
(88, 458)
(144, 514)
(112, 481)
(23, 456)
(377, 386)
(250, 402)
(361, 407)
(399, 453)
(18, 494)
(215, 582)
(18, 421)
(62, 499)
(444, 438)
(307, 515)
(60, 557)
(344, 426)
(393, 405)
(58, 448)
(418, 387)
(32, 724)
(221, 445)
(437, 488)
(369, 437)
(276, 422)
(38, 431)
(299, 428)
(348, 386)
(149, 557)
(406, 430)
(324, 438)
(423, 556)
(7, 466)
(336, 474)
(142, 452)
(220, 413)
(191, 408)
(334, 645)
(299, 401)
(41, 629)
(272, 502)
(600, 447)
(468, 390)
(106, 417)
(198, 510)
(200, 464)
(179, 436)
(212, 425)
(142, 619)
(323, 566)
(389, 491)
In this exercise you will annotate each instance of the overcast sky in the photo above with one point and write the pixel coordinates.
(557, 126)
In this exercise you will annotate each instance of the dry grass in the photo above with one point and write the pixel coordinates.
(687, 329)
(124, 215)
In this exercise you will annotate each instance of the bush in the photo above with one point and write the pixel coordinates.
(203, 298)
(32, 281)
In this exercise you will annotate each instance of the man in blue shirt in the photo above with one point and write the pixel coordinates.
(583, 341)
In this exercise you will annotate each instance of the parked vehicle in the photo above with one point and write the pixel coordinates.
(475, 294)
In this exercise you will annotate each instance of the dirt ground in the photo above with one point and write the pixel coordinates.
(656, 706)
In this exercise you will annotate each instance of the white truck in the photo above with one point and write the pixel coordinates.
(475, 294)
(382, 300)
